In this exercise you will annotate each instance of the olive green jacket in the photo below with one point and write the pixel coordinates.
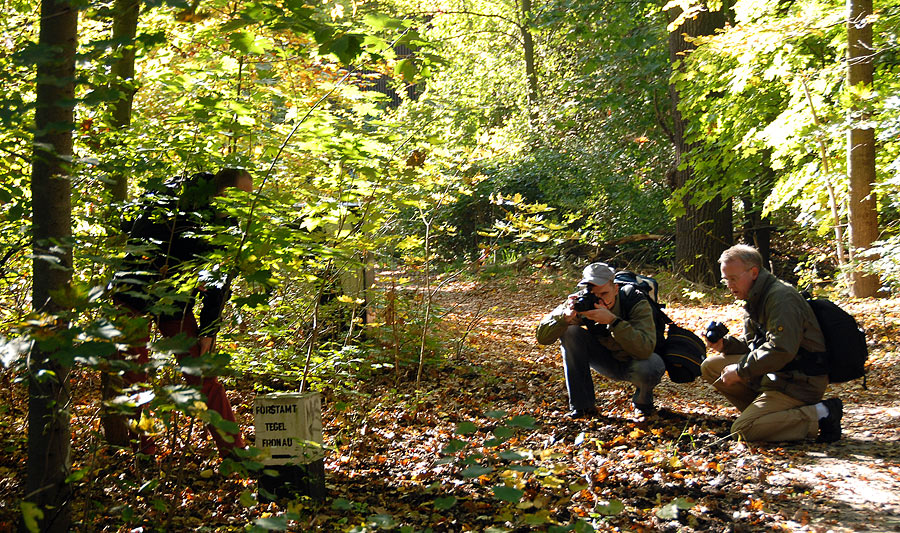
(777, 323)
(632, 338)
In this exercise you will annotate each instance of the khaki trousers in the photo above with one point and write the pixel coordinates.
(770, 416)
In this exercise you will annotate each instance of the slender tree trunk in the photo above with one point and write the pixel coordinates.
(124, 30)
(826, 170)
(125, 20)
(528, 52)
(49, 440)
(757, 229)
(861, 147)
(704, 231)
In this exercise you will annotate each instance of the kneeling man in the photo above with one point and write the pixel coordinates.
(617, 339)
(774, 372)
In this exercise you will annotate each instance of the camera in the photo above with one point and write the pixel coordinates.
(585, 301)
(715, 331)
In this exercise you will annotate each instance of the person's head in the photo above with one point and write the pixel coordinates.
(740, 266)
(599, 279)
(232, 177)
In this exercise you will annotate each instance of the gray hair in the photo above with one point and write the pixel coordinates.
(748, 255)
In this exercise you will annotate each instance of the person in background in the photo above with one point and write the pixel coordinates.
(160, 279)
(616, 338)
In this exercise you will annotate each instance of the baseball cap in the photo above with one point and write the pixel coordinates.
(597, 274)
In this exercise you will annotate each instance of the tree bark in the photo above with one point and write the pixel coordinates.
(756, 229)
(124, 30)
(861, 148)
(704, 231)
(49, 440)
(528, 52)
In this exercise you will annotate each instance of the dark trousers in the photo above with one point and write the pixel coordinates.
(582, 351)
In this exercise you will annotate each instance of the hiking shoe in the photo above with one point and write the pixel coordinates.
(830, 426)
(581, 413)
(645, 410)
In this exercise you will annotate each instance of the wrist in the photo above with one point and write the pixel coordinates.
(615, 322)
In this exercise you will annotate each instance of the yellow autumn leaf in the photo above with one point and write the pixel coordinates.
(552, 482)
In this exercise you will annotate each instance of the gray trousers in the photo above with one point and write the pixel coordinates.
(581, 352)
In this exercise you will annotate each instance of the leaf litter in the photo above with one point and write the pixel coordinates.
(484, 446)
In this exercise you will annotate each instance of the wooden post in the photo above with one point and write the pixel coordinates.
(289, 433)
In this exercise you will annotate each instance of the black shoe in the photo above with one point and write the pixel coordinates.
(581, 413)
(830, 426)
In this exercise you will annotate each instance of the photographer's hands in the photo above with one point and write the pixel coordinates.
(718, 346)
(600, 315)
(730, 375)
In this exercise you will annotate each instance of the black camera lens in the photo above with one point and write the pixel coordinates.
(715, 331)
(585, 301)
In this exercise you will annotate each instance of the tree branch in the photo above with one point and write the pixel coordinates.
(466, 12)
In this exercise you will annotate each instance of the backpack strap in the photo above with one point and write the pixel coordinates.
(630, 296)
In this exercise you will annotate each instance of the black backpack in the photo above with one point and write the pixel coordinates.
(845, 342)
(681, 350)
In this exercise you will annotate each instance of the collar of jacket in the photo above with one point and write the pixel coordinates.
(760, 287)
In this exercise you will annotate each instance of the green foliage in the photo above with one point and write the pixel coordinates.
(670, 511)
(779, 65)
(474, 167)
(592, 153)
(610, 508)
(885, 262)
(550, 197)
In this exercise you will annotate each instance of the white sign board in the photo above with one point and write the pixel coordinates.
(289, 427)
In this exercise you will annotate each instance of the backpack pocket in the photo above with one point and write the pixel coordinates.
(683, 352)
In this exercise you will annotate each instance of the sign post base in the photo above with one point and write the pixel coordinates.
(290, 481)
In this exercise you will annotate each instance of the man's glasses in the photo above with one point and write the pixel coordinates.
(728, 280)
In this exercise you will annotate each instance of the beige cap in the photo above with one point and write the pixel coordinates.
(597, 274)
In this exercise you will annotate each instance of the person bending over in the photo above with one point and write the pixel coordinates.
(162, 279)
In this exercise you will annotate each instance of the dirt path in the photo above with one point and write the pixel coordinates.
(852, 485)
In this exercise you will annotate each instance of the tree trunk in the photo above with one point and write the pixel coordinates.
(704, 231)
(528, 52)
(49, 440)
(124, 30)
(861, 148)
(757, 231)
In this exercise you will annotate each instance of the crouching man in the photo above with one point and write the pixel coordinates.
(607, 328)
(773, 373)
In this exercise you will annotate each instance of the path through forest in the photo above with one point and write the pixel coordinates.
(483, 445)
(851, 485)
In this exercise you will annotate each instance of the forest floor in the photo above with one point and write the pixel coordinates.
(484, 445)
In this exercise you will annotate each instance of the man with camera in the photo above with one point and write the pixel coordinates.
(595, 331)
(773, 372)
